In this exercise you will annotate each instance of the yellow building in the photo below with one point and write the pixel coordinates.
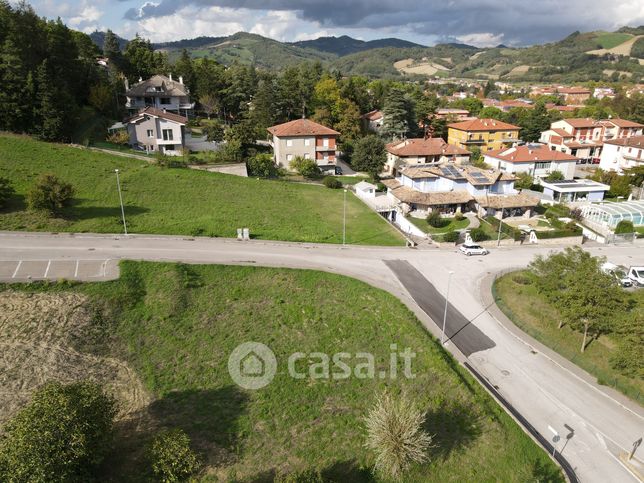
(487, 134)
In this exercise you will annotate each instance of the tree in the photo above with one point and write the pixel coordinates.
(209, 103)
(620, 186)
(535, 123)
(555, 176)
(262, 165)
(101, 98)
(305, 167)
(369, 155)
(624, 226)
(398, 114)
(524, 181)
(63, 434)
(171, 457)
(627, 359)
(184, 67)
(435, 219)
(214, 132)
(395, 435)
(50, 194)
(54, 106)
(6, 191)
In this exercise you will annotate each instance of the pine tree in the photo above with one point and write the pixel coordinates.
(184, 67)
(398, 113)
(52, 111)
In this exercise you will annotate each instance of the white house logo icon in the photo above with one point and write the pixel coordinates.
(252, 365)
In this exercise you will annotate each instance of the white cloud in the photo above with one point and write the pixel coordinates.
(482, 39)
(88, 14)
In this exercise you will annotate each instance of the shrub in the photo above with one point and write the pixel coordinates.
(262, 165)
(331, 182)
(624, 226)
(436, 220)
(555, 176)
(451, 236)
(395, 434)
(478, 234)
(459, 216)
(50, 194)
(63, 434)
(214, 132)
(524, 181)
(305, 476)
(305, 167)
(575, 214)
(119, 137)
(171, 457)
(6, 191)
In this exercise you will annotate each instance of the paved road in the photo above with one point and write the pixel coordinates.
(545, 389)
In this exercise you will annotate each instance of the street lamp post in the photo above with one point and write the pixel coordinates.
(498, 240)
(449, 280)
(344, 219)
(118, 185)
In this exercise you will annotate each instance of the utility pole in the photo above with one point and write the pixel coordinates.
(118, 185)
(344, 220)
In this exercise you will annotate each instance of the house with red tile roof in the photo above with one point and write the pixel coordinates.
(585, 137)
(487, 134)
(307, 139)
(623, 153)
(373, 120)
(155, 130)
(535, 159)
(422, 152)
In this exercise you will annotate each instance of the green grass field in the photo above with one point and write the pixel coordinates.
(176, 325)
(179, 201)
(532, 313)
(612, 39)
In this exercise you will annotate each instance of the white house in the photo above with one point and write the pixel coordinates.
(621, 154)
(160, 92)
(422, 152)
(574, 190)
(535, 159)
(154, 130)
(451, 189)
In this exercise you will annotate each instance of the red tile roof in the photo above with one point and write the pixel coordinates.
(581, 122)
(573, 90)
(530, 153)
(483, 125)
(562, 133)
(633, 142)
(424, 147)
(152, 111)
(624, 123)
(373, 115)
(301, 127)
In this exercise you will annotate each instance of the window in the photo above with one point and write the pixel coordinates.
(289, 143)
(150, 133)
(289, 157)
(325, 142)
(165, 100)
(307, 142)
(158, 89)
(167, 134)
(307, 156)
(542, 165)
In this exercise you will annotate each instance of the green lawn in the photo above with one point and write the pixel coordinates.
(612, 39)
(451, 226)
(529, 310)
(180, 201)
(176, 325)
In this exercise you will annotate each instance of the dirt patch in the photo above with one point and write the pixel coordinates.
(410, 66)
(38, 333)
(519, 70)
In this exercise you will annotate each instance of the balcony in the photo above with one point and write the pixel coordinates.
(325, 148)
(474, 141)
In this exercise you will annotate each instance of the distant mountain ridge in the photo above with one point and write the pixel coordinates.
(580, 57)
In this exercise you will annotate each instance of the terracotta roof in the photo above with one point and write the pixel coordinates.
(373, 115)
(562, 133)
(624, 123)
(507, 201)
(632, 142)
(447, 110)
(473, 175)
(530, 153)
(573, 90)
(552, 105)
(153, 111)
(302, 127)
(581, 122)
(483, 125)
(424, 147)
(148, 87)
(408, 195)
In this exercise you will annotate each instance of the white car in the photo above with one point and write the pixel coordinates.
(473, 250)
(636, 274)
(618, 272)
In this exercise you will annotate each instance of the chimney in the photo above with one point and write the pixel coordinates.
(180, 79)
(170, 76)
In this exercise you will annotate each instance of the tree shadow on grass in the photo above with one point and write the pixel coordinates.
(15, 203)
(209, 417)
(339, 472)
(77, 213)
(453, 427)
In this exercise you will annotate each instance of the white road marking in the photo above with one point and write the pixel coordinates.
(47, 269)
(16, 270)
(76, 270)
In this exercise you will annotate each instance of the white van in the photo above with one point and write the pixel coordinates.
(636, 274)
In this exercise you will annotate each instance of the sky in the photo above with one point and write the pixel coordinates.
(482, 23)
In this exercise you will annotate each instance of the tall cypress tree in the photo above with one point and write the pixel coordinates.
(53, 111)
(398, 114)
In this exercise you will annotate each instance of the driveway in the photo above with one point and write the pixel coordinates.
(543, 388)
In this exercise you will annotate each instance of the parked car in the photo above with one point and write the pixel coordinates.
(636, 274)
(618, 272)
(338, 170)
(473, 250)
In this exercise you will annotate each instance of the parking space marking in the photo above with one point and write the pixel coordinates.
(47, 269)
(76, 270)
(15, 272)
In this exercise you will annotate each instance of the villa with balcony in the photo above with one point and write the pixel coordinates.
(306, 139)
(487, 134)
(159, 92)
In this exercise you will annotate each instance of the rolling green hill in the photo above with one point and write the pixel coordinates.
(346, 45)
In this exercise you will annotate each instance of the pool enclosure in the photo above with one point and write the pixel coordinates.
(610, 214)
